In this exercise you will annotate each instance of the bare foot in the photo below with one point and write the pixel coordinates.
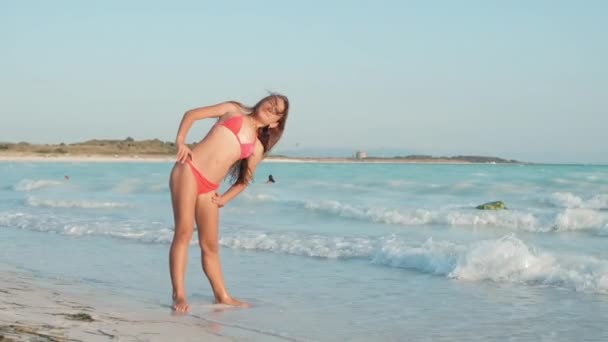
(180, 305)
(233, 302)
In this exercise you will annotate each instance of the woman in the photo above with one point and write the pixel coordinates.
(235, 144)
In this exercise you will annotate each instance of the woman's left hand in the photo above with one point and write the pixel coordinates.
(218, 199)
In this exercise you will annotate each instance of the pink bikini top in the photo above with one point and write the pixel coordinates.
(234, 124)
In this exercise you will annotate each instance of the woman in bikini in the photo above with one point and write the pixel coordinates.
(235, 144)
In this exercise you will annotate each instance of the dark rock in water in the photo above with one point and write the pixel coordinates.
(497, 205)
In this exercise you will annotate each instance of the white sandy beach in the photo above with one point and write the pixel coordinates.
(40, 309)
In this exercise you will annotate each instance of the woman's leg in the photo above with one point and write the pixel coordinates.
(183, 198)
(207, 221)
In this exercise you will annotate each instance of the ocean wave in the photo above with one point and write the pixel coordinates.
(31, 184)
(295, 244)
(463, 216)
(571, 201)
(569, 219)
(581, 219)
(258, 197)
(146, 232)
(51, 203)
(379, 215)
(506, 259)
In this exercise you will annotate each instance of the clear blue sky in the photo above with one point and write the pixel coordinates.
(517, 79)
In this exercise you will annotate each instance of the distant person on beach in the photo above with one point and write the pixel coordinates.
(270, 179)
(235, 145)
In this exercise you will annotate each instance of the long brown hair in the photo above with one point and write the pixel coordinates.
(268, 136)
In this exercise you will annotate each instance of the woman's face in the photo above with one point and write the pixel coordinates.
(271, 110)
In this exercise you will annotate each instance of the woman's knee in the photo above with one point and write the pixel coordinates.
(208, 247)
(183, 235)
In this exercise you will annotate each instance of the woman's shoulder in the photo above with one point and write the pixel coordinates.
(238, 107)
(228, 107)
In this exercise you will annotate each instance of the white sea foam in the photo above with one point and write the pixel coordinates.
(292, 243)
(30, 184)
(411, 217)
(259, 197)
(140, 231)
(580, 219)
(569, 200)
(58, 203)
(510, 219)
(570, 219)
(381, 215)
(507, 259)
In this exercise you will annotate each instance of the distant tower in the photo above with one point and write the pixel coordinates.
(361, 155)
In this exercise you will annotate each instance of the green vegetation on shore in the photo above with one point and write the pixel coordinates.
(128, 146)
(156, 147)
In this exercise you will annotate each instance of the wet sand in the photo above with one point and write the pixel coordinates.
(39, 309)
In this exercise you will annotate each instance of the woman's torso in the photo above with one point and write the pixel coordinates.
(225, 143)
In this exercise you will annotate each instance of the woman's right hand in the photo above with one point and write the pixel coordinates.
(183, 152)
(218, 199)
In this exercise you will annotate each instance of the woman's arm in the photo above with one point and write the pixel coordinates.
(236, 189)
(202, 113)
(183, 151)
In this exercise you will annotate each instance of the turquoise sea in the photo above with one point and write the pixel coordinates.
(337, 252)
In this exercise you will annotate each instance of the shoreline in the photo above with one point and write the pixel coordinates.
(41, 309)
(50, 309)
(23, 157)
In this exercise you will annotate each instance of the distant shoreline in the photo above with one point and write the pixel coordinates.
(162, 151)
(32, 157)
